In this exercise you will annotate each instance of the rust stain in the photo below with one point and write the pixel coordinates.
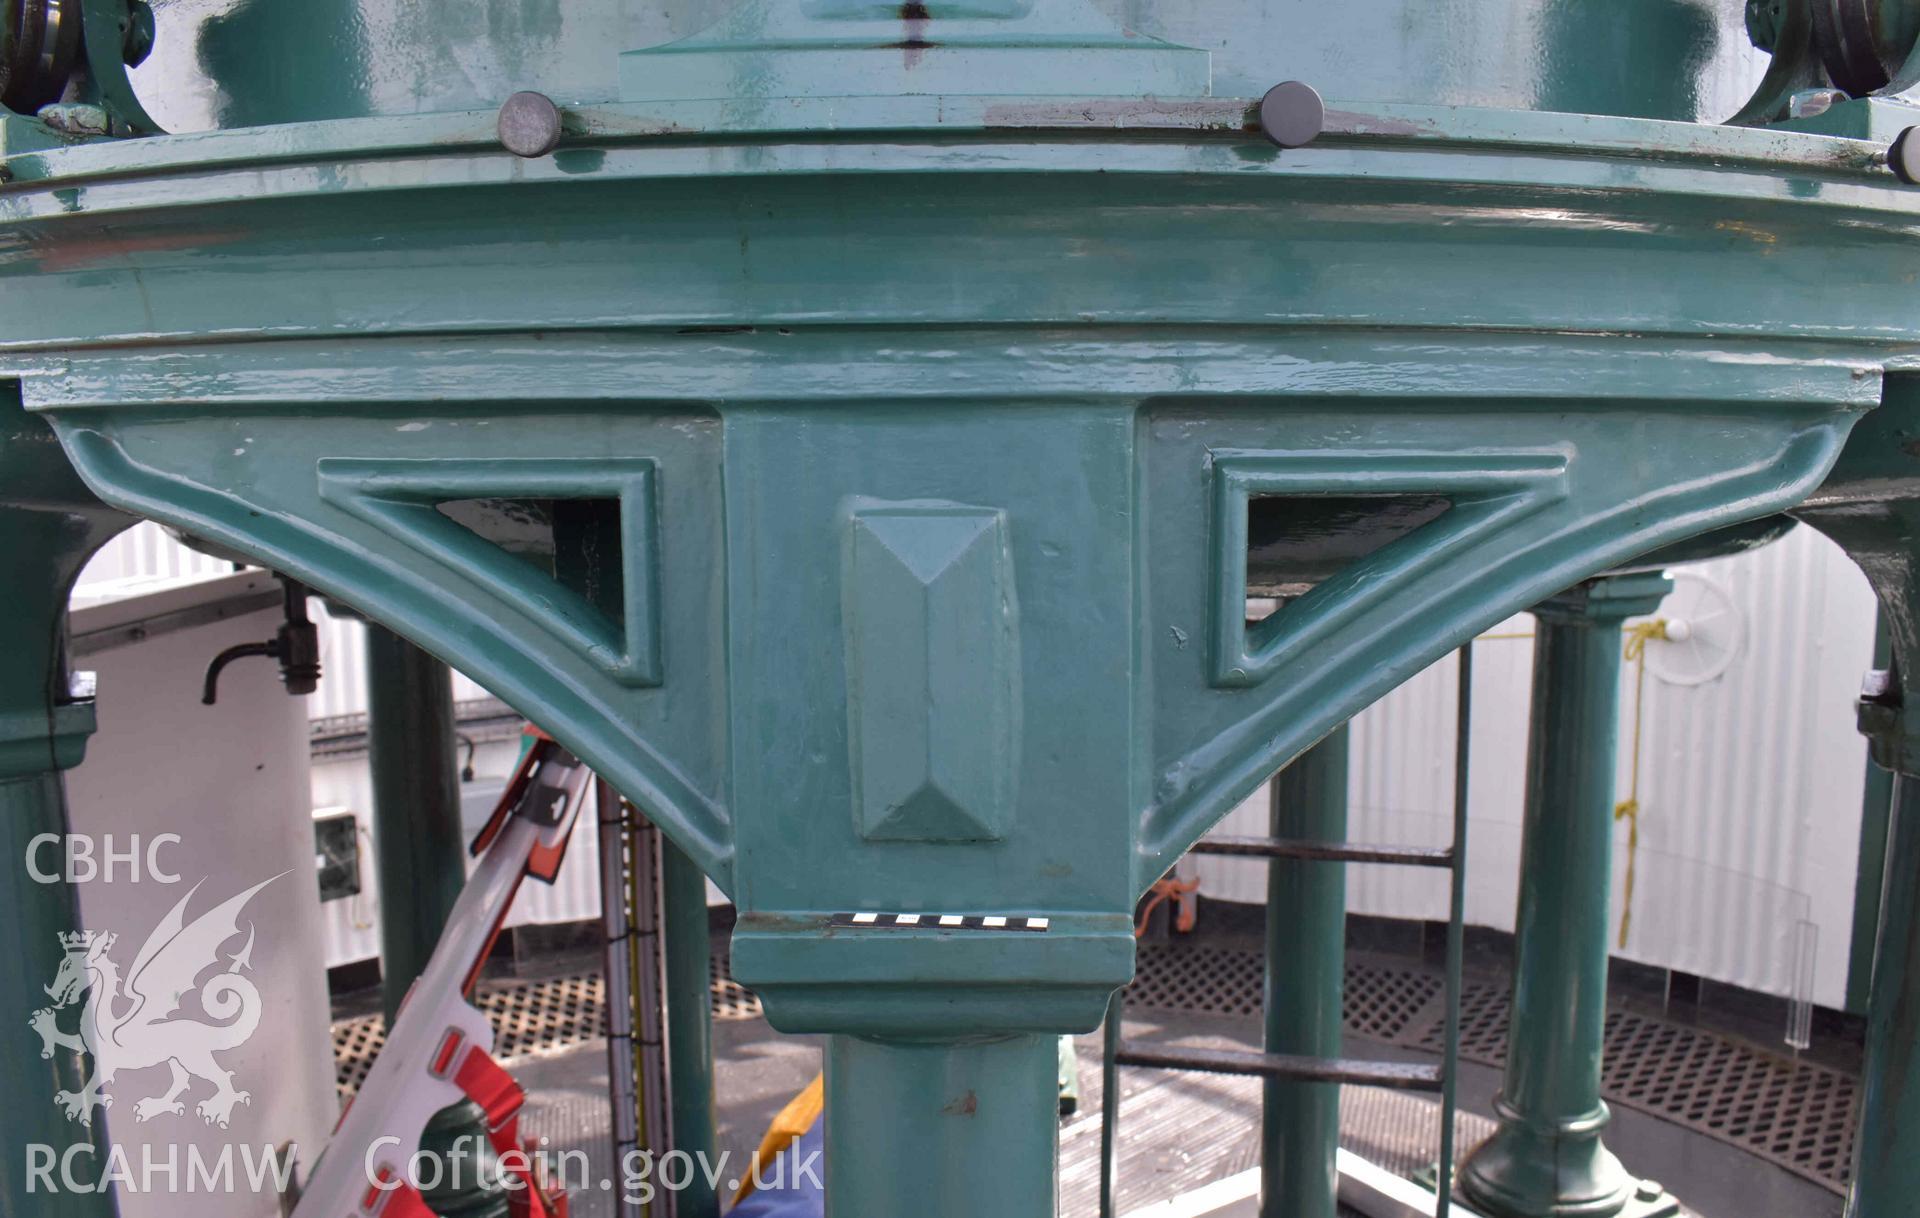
(913, 14)
(1744, 229)
(108, 249)
(966, 1106)
(777, 923)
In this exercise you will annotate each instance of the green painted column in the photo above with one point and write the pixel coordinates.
(1306, 961)
(420, 845)
(49, 525)
(913, 1127)
(1870, 505)
(1886, 1175)
(421, 853)
(1871, 877)
(1547, 1157)
(683, 894)
(1886, 1171)
(34, 1131)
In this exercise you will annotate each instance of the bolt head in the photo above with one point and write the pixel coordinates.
(1877, 721)
(1878, 686)
(1903, 156)
(529, 124)
(1292, 114)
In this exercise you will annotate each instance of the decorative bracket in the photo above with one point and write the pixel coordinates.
(1488, 493)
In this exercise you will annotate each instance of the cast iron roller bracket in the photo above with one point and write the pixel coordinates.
(1292, 114)
(1855, 48)
(39, 46)
(48, 45)
(1863, 43)
(296, 645)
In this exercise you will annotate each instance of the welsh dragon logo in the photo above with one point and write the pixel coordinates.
(137, 1028)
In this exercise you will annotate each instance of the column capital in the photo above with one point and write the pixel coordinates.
(45, 739)
(1607, 599)
(52, 524)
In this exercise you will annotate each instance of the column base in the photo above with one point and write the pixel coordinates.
(1531, 1170)
(1649, 1199)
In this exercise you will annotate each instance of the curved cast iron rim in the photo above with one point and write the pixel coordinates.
(852, 120)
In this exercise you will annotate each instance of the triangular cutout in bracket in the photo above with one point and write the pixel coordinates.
(1488, 493)
(402, 496)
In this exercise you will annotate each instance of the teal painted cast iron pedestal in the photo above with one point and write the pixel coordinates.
(1547, 1160)
(49, 526)
(1871, 506)
(944, 430)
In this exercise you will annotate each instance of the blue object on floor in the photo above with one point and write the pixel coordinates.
(793, 1184)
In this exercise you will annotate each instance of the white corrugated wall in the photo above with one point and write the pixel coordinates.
(351, 926)
(1750, 783)
(146, 554)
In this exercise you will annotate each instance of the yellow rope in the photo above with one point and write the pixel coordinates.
(1628, 809)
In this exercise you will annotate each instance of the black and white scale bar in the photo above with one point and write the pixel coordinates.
(932, 921)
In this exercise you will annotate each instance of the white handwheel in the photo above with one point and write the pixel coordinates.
(1706, 631)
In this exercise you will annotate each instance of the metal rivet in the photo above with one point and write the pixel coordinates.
(1292, 114)
(529, 124)
(1903, 157)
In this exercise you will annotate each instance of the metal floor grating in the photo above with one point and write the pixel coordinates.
(528, 1017)
(1379, 1002)
(1794, 1114)
(731, 1000)
(1211, 980)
